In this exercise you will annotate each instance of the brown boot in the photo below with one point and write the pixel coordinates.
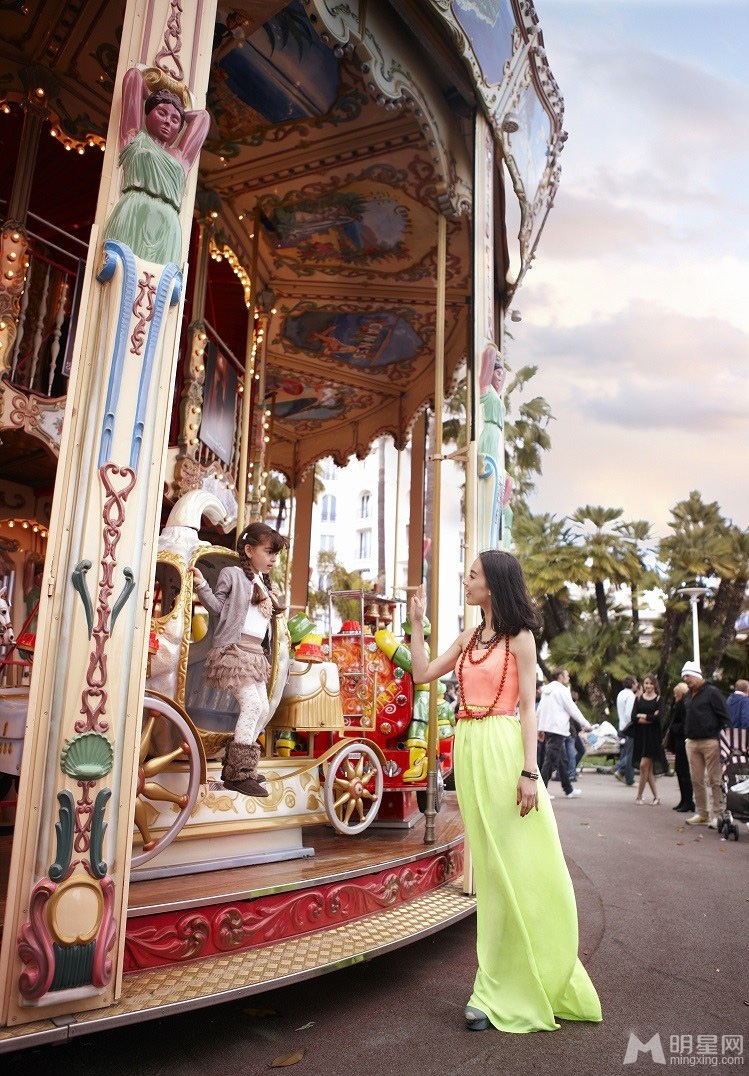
(256, 753)
(237, 773)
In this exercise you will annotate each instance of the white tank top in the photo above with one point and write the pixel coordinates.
(255, 621)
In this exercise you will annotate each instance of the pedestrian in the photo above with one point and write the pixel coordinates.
(528, 973)
(243, 603)
(574, 746)
(738, 705)
(707, 713)
(625, 700)
(555, 711)
(676, 742)
(647, 736)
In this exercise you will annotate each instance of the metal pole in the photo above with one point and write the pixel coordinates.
(249, 373)
(695, 630)
(397, 502)
(434, 583)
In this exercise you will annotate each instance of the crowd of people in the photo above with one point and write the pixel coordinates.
(689, 729)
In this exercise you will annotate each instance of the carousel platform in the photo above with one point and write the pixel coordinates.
(218, 936)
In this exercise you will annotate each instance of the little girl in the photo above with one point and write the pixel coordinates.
(243, 602)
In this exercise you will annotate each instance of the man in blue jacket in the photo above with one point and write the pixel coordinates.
(738, 705)
(707, 714)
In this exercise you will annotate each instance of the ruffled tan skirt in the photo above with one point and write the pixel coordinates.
(231, 667)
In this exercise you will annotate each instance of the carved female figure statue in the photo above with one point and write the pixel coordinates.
(154, 166)
(490, 446)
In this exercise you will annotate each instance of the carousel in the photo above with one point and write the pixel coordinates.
(236, 244)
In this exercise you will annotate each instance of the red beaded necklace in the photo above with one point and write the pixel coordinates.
(479, 661)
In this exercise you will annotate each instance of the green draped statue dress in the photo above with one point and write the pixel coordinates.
(146, 217)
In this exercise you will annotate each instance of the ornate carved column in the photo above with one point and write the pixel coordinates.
(67, 898)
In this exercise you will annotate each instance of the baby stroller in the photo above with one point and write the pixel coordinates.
(734, 761)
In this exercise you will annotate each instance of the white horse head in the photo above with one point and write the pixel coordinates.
(7, 638)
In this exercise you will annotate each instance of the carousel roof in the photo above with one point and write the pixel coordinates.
(336, 155)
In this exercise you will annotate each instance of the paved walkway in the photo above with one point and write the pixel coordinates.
(663, 915)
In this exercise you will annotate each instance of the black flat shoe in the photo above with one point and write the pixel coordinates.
(476, 1020)
(684, 810)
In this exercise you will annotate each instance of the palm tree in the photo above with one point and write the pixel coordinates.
(526, 437)
(699, 548)
(544, 545)
(637, 532)
(607, 557)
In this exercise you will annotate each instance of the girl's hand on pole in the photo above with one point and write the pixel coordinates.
(527, 795)
(197, 576)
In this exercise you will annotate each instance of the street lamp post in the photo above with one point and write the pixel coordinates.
(694, 594)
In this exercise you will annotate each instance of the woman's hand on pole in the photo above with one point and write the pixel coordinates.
(418, 605)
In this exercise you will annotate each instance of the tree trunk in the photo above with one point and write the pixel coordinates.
(603, 612)
(635, 611)
(598, 699)
(672, 623)
(560, 614)
(732, 610)
(723, 599)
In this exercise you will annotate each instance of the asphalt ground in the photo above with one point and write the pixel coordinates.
(664, 926)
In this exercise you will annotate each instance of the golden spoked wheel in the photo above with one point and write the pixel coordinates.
(190, 750)
(352, 792)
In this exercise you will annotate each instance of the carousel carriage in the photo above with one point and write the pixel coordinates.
(334, 749)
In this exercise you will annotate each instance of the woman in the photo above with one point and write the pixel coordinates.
(647, 735)
(676, 741)
(528, 972)
(154, 167)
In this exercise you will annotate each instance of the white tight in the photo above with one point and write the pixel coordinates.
(254, 712)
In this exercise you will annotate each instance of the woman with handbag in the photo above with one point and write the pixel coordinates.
(529, 974)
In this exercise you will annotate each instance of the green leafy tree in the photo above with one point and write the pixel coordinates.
(338, 578)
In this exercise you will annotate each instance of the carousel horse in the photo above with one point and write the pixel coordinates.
(7, 637)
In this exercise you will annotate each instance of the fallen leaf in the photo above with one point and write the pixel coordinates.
(260, 1012)
(305, 1026)
(680, 843)
(286, 1060)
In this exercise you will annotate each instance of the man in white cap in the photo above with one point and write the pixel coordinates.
(707, 714)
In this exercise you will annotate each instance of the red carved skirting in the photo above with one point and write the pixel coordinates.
(159, 940)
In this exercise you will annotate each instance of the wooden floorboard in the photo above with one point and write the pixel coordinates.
(336, 857)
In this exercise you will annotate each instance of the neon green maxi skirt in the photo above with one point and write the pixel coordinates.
(528, 969)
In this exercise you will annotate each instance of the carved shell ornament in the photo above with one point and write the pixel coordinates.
(87, 756)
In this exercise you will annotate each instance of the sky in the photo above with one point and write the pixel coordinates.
(636, 309)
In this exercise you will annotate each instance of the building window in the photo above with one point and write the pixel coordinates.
(326, 543)
(323, 581)
(365, 544)
(365, 505)
(328, 469)
(328, 508)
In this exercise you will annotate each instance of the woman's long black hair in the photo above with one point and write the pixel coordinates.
(513, 609)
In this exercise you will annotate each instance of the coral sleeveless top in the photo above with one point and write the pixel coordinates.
(481, 682)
